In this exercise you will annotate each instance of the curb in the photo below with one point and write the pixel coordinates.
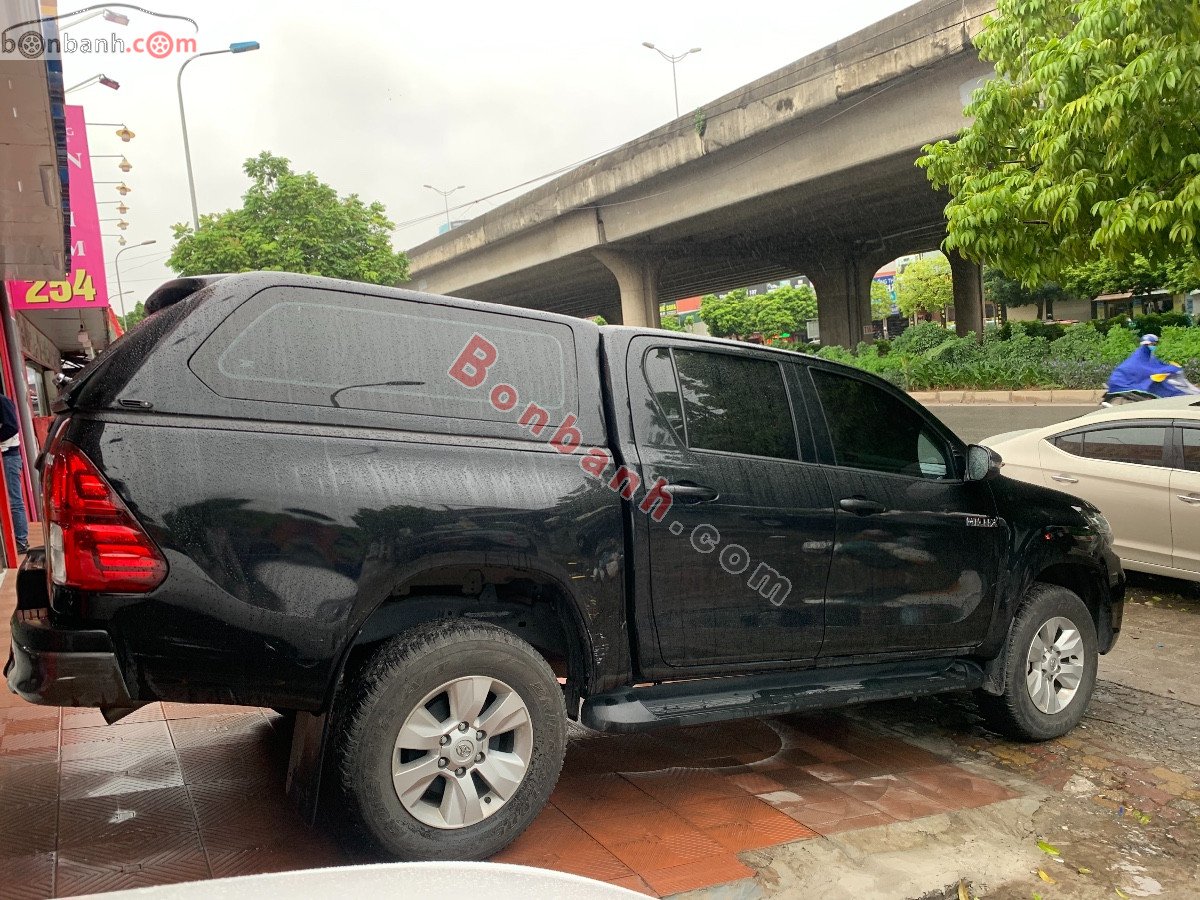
(998, 398)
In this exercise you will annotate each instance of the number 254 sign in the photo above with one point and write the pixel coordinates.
(52, 293)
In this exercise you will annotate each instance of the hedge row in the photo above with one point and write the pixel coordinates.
(928, 357)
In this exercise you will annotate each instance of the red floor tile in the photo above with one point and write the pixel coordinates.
(672, 787)
(894, 797)
(76, 876)
(724, 810)
(110, 740)
(599, 796)
(29, 785)
(23, 711)
(740, 836)
(27, 877)
(124, 773)
(563, 847)
(85, 717)
(755, 782)
(634, 883)
(100, 820)
(27, 830)
(245, 727)
(956, 787)
(667, 848)
(704, 873)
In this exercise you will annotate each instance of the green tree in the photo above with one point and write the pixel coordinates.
(881, 301)
(727, 316)
(1084, 143)
(292, 222)
(800, 303)
(1136, 274)
(132, 317)
(671, 323)
(925, 285)
(1005, 293)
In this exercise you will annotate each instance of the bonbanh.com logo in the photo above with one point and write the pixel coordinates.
(47, 37)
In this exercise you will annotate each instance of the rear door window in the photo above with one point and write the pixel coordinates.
(1191, 449)
(358, 351)
(724, 402)
(1141, 445)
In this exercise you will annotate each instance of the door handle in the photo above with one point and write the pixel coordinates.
(1189, 498)
(690, 492)
(1065, 479)
(861, 506)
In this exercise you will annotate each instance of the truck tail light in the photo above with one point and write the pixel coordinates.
(93, 542)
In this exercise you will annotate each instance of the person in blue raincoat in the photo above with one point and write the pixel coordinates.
(1142, 371)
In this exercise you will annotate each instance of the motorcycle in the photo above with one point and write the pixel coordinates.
(1175, 384)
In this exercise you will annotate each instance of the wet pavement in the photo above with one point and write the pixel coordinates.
(899, 799)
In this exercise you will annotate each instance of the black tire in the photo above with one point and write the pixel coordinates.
(1015, 713)
(390, 686)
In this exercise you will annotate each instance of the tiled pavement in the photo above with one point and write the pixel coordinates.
(178, 793)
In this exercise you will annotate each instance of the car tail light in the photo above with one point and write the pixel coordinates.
(94, 543)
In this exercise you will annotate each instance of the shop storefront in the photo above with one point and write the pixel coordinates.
(49, 322)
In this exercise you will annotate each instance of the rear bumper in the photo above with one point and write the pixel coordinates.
(59, 666)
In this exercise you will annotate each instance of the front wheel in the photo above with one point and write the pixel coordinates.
(1050, 662)
(452, 739)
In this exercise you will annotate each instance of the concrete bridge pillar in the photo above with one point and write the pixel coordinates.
(844, 298)
(968, 294)
(637, 277)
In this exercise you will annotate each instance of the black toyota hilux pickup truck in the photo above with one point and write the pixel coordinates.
(435, 530)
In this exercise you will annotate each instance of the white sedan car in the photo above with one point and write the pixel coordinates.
(1139, 463)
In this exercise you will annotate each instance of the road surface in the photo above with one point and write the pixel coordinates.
(974, 423)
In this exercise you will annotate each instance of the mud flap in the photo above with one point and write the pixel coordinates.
(995, 670)
(305, 763)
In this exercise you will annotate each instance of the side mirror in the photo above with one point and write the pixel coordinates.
(982, 463)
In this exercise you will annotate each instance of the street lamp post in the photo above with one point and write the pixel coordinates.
(235, 47)
(672, 59)
(117, 266)
(446, 198)
(102, 79)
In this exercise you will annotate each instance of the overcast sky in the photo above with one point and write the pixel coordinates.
(381, 98)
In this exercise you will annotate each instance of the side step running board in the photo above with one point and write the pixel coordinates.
(716, 699)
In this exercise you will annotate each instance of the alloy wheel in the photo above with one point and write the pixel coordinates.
(463, 752)
(1054, 665)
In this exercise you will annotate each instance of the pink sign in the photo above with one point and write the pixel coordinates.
(86, 284)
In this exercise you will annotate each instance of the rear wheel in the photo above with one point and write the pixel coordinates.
(452, 739)
(1051, 662)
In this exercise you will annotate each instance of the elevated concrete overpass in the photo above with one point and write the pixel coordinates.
(808, 170)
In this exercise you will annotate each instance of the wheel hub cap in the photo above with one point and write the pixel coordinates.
(461, 754)
(1054, 665)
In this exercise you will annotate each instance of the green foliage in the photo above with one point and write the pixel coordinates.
(928, 357)
(921, 338)
(600, 320)
(1007, 292)
(784, 310)
(132, 317)
(881, 300)
(1084, 143)
(1182, 345)
(1051, 331)
(925, 285)
(671, 323)
(1136, 274)
(295, 223)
